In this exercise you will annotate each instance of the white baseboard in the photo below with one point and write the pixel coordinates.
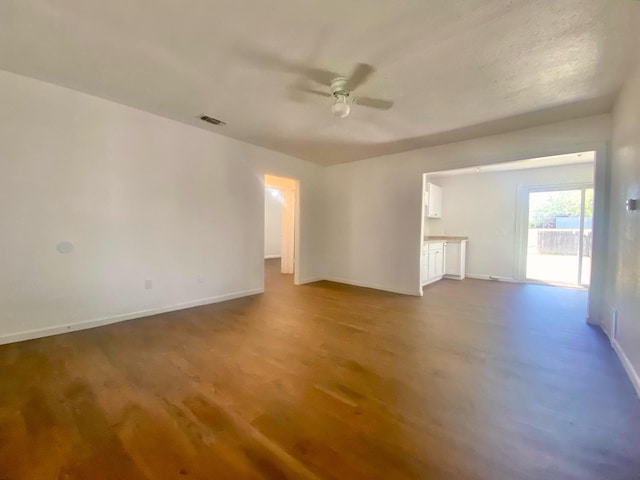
(310, 280)
(372, 285)
(266, 257)
(72, 327)
(628, 367)
(595, 323)
(450, 276)
(434, 280)
(492, 278)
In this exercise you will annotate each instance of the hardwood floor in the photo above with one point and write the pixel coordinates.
(476, 380)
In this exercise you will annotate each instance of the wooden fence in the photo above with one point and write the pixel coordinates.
(556, 241)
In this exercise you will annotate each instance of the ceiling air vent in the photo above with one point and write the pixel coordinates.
(214, 121)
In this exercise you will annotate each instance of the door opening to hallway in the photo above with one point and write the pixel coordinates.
(281, 224)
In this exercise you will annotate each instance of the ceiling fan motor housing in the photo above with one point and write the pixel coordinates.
(339, 87)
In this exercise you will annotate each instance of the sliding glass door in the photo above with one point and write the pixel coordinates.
(559, 239)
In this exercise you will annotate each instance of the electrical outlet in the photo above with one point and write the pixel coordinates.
(148, 284)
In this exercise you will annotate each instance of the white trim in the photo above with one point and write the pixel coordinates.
(277, 255)
(371, 285)
(533, 281)
(311, 280)
(628, 367)
(596, 301)
(527, 281)
(592, 322)
(521, 233)
(72, 327)
(492, 278)
(433, 280)
(557, 187)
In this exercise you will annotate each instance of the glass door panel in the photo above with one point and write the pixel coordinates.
(555, 225)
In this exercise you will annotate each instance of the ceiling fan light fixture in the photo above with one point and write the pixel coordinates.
(340, 108)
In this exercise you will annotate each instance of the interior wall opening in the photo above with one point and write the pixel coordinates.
(281, 222)
(477, 223)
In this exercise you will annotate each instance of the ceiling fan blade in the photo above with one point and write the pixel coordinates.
(360, 75)
(378, 103)
(312, 91)
(275, 62)
(323, 77)
(303, 86)
(298, 91)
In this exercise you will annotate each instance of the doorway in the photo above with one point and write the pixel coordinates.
(281, 222)
(560, 235)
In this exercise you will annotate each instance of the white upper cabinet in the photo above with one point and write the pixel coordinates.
(433, 201)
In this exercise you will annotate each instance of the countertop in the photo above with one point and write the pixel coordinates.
(444, 238)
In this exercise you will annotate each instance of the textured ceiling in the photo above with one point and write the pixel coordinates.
(456, 69)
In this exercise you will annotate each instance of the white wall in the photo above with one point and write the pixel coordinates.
(272, 223)
(623, 280)
(374, 210)
(483, 206)
(141, 197)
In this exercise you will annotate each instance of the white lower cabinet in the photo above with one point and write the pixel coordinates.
(433, 262)
(455, 259)
(424, 267)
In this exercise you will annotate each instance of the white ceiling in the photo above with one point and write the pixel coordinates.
(456, 68)
(551, 161)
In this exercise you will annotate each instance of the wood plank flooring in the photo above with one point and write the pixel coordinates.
(476, 380)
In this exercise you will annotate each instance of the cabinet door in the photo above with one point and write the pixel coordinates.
(438, 201)
(434, 208)
(424, 267)
(452, 259)
(439, 260)
(432, 271)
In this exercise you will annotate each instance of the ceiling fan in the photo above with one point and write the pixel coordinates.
(337, 86)
(341, 88)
